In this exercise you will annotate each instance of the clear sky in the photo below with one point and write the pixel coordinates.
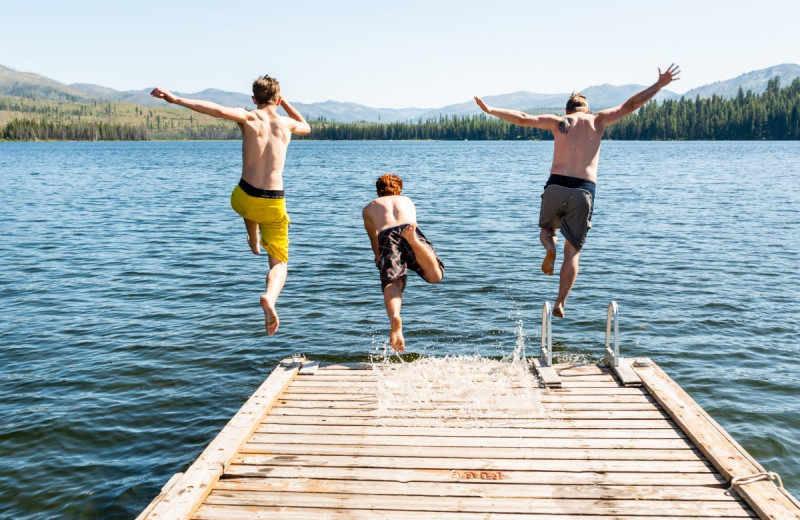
(409, 53)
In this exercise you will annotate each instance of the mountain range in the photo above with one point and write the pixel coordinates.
(30, 85)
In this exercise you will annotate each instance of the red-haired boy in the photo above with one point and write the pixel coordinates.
(399, 245)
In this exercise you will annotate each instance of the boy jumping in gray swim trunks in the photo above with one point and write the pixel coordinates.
(568, 197)
(399, 245)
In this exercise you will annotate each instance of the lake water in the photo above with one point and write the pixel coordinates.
(131, 332)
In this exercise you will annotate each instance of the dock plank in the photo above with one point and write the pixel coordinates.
(476, 431)
(411, 439)
(447, 397)
(567, 404)
(494, 413)
(216, 512)
(504, 489)
(483, 452)
(520, 505)
(470, 464)
(562, 478)
(455, 422)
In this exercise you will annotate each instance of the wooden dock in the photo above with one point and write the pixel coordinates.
(314, 442)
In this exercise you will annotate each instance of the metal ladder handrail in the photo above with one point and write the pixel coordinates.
(547, 335)
(612, 356)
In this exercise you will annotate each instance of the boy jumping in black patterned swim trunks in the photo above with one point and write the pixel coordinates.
(399, 245)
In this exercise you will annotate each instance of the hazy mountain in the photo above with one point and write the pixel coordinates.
(143, 97)
(605, 96)
(515, 100)
(330, 110)
(31, 85)
(27, 84)
(601, 96)
(355, 112)
(755, 81)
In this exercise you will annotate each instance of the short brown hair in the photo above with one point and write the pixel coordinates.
(266, 90)
(577, 103)
(389, 184)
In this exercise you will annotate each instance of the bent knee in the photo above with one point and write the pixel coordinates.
(434, 277)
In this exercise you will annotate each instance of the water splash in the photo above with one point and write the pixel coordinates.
(518, 354)
(462, 388)
(572, 358)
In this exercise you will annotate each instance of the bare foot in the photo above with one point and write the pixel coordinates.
(253, 245)
(396, 338)
(270, 316)
(549, 262)
(558, 310)
(410, 233)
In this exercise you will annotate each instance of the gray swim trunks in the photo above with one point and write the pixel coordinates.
(569, 209)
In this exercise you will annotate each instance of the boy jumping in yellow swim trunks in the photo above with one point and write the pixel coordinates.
(259, 196)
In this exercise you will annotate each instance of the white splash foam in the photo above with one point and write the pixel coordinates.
(464, 388)
(571, 358)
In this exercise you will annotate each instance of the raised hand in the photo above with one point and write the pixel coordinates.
(481, 104)
(671, 74)
(162, 93)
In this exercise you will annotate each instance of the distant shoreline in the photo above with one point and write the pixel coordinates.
(49, 141)
(772, 116)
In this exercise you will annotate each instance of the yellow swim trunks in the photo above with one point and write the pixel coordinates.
(268, 208)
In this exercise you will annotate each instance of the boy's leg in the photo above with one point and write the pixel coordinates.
(275, 281)
(393, 299)
(567, 276)
(548, 239)
(425, 256)
(252, 235)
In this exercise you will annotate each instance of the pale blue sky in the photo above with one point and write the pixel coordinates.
(399, 54)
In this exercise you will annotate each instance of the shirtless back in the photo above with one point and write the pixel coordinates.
(386, 212)
(576, 148)
(390, 211)
(266, 136)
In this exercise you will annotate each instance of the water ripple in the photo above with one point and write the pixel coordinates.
(131, 329)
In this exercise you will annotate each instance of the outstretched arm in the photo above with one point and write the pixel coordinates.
(300, 126)
(545, 122)
(204, 107)
(612, 115)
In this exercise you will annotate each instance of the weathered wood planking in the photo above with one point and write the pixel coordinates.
(560, 478)
(496, 453)
(477, 431)
(187, 491)
(329, 449)
(212, 512)
(479, 489)
(377, 439)
(768, 501)
(519, 505)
